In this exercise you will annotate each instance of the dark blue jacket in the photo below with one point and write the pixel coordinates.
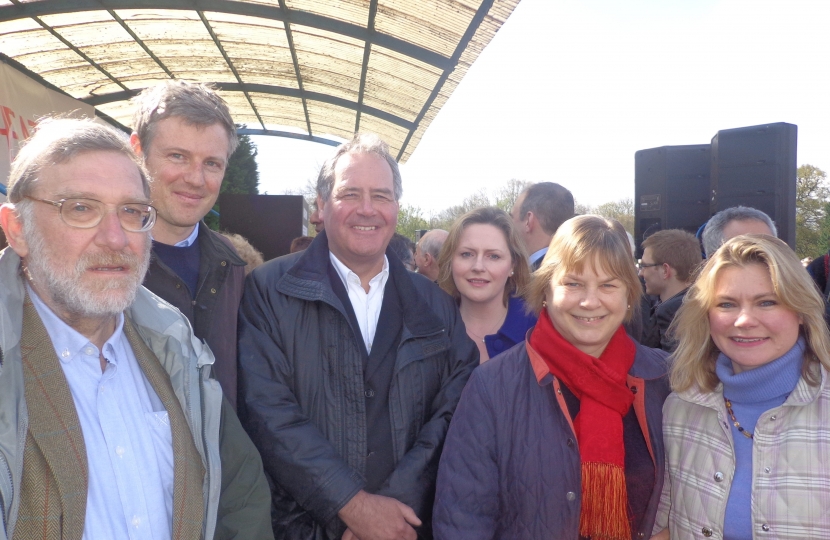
(511, 468)
(302, 395)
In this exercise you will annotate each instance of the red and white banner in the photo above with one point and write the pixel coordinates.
(22, 102)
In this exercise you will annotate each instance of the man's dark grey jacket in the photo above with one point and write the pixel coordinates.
(301, 390)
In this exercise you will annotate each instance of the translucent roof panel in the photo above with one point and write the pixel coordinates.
(317, 69)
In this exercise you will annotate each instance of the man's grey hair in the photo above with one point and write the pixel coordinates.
(196, 103)
(551, 203)
(432, 243)
(361, 143)
(713, 232)
(58, 140)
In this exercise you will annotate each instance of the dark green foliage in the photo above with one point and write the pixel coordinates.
(241, 175)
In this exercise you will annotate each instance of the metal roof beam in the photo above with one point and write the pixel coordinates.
(293, 16)
(140, 42)
(72, 47)
(230, 65)
(288, 135)
(367, 51)
(103, 99)
(290, 38)
(482, 11)
(36, 77)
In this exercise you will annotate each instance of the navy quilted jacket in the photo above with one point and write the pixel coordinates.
(510, 467)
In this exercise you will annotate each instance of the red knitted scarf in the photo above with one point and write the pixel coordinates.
(604, 398)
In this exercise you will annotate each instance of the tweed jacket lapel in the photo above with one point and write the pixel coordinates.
(55, 429)
(188, 470)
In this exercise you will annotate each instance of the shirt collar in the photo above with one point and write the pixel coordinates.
(190, 240)
(538, 255)
(67, 341)
(346, 274)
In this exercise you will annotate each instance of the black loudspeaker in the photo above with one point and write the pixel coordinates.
(671, 189)
(756, 166)
(269, 222)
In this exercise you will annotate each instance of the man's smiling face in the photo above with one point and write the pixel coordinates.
(361, 213)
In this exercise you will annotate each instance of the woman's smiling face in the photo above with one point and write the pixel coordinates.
(482, 263)
(747, 322)
(587, 307)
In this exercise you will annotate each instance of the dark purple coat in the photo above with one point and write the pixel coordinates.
(510, 467)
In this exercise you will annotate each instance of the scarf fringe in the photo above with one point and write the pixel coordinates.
(604, 513)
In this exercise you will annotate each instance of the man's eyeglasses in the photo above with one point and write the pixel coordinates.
(87, 213)
(641, 264)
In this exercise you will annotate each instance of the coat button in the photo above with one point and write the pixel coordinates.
(718, 476)
(213, 291)
(369, 393)
(766, 469)
(223, 263)
(570, 442)
(178, 285)
(571, 496)
(773, 417)
(765, 527)
(707, 532)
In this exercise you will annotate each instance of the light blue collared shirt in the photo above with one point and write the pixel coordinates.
(129, 445)
(190, 240)
(537, 255)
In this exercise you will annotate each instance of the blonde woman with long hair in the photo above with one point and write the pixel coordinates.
(747, 428)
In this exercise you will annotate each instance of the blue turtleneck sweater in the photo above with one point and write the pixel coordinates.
(752, 393)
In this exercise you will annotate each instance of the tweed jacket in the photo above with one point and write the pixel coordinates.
(233, 491)
(790, 462)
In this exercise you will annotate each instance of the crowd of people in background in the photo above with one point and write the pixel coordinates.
(520, 375)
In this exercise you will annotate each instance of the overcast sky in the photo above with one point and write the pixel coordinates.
(568, 91)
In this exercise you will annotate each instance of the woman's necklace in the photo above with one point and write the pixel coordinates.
(492, 330)
(746, 433)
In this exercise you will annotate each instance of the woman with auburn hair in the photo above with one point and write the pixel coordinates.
(483, 265)
(560, 437)
(747, 428)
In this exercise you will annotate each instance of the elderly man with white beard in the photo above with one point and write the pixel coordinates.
(110, 423)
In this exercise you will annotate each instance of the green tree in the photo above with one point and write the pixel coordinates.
(621, 210)
(411, 219)
(583, 209)
(241, 175)
(811, 197)
(445, 218)
(506, 195)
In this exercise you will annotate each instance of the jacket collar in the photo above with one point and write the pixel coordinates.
(308, 280)
(517, 321)
(215, 247)
(648, 364)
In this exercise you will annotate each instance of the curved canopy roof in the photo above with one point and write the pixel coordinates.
(310, 69)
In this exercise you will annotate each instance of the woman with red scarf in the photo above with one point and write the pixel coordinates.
(560, 436)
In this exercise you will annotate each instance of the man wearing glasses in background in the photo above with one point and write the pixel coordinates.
(669, 261)
(111, 426)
